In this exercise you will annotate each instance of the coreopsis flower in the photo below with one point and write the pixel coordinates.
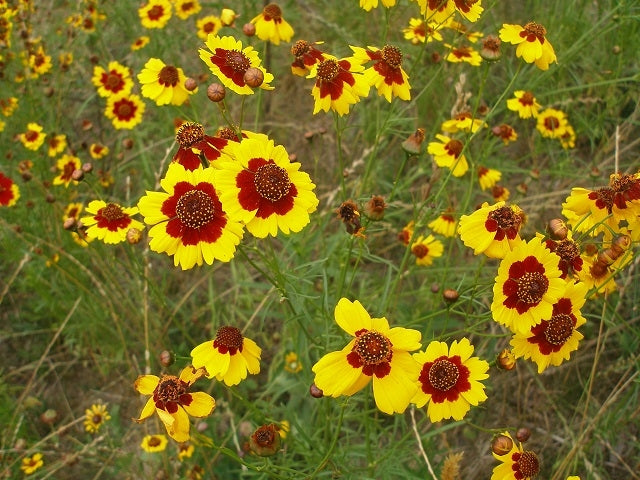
(228, 61)
(228, 357)
(98, 151)
(349, 213)
(516, 464)
(450, 380)
(488, 177)
(154, 443)
(426, 249)
(386, 74)
(164, 84)
(9, 191)
(500, 193)
(440, 11)
(155, 13)
(552, 123)
(125, 111)
(445, 224)
(188, 221)
(532, 44)
(571, 262)
(505, 132)
(551, 341)
(8, 106)
(185, 450)
(463, 54)
(527, 286)
(193, 142)
(56, 144)
(115, 80)
(227, 17)
(377, 354)
(492, 229)
(264, 189)
(367, 5)
(568, 138)
(95, 417)
(109, 222)
(339, 84)
(421, 31)
(39, 62)
(306, 56)
(413, 143)
(140, 42)
(447, 152)
(292, 363)
(66, 165)
(186, 8)
(270, 26)
(462, 122)
(265, 440)
(32, 464)
(524, 103)
(405, 235)
(172, 400)
(209, 25)
(33, 138)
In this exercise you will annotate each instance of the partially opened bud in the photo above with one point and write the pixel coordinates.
(265, 441)
(501, 445)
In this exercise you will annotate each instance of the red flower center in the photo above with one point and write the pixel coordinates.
(526, 285)
(464, 5)
(31, 135)
(526, 465)
(531, 287)
(533, 31)
(505, 222)
(113, 81)
(156, 12)
(168, 76)
(189, 133)
(527, 99)
(300, 48)
(328, 70)
(443, 375)
(112, 212)
(551, 123)
(454, 148)
(559, 329)
(237, 61)
(272, 11)
(124, 110)
(169, 389)
(392, 56)
(195, 209)
(420, 250)
(272, 182)
(228, 339)
(154, 441)
(373, 348)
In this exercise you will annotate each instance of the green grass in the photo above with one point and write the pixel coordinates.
(82, 330)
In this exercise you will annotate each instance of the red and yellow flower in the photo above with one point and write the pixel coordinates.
(109, 222)
(188, 221)
(271, 26)
(125, 111)
(421, 31)
(516, 464)
(155, 13)
(440, 11)
(369, 4)
(488, 177)
(228, 357)
(264, 189)
(173, 402)
(186, 8)
(445, 224)
(450, 380)
(33, 138)
(463, 53)
(56, 144)
(31, 464)
(426, 249)
(209, 25)
(164, 84)
(462, 122)
(386, 74)
(532, 44)
(552, 123)
(193, 143)
(524, 103)
(154, 443)
(98, 151)
(377, 354)
(66, 165)
(306, 56)
(115, 80)
(447, 152)
(9, 191)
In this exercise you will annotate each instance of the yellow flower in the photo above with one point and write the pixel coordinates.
(448, 153)
(208, 25)
(9, 191)
(369, 4)
(125, 111)
(173, 402)
(270, 25)
(406, 233)
(109, 222)
(66, 165)
(116, 80)
(386, 74)
(292, 363)
(186, 8)
(95, 417)
(524, 103)
(377, 354)
(57, 144)
(33, 138)
(488, 177)
(445, 224)
(39, 62)
(155, 13)
(463, 54)
(450, 380)
(516, 464)
(154, 443)
(31, 464)
(426, 249)
(419, 31)
(140, 42)
(552, 123)
(228, 357)
(442, 10)
(8, 106)
(505, 132)
(306, 56)
(162, 83)
(185, 450)
(227, 16)
(462, 122)
(533, 46)
(98, 151)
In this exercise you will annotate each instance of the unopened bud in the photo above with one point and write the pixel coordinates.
(523, 434)
(249, 29)
(506, 360)
(501, 445)
(49, 416)
(50, 198)
(375, 208)
(450, 294)
(413, 143)
(127, 143)
(70, 223)
(253, 77)
(190, 84)
(87, 167)
(77, 174)
(315, 391)
(166, 358)
(557, 229)
(216, 92)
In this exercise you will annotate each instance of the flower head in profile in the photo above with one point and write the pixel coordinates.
(155, 13)
(377, 354)
(386, 74)
(450, 380)
(173, 401)
(228, 357)
(95, 417)
(229, 61)
(39, 62)
(271, 26)
(154, 443)
(505, 132)
(527, 286)
(425, 249)
(109, 222)
(339, 84)
(187, 219)
(532, 43)
(492, 229)
(367, 5)
(462, 122)
(140, 42)
(32, 464)
(447, 153)
(405, 235)
(552, 340)
(209, 25)
(516, 464)
(421, 31)
(66, 165)
(33, 138)
(524, 103)
(445, 224)
(463, 53)
(193, 143)
(441, 11)
(114, 80)
(124, 111)
(9, 191)
(164, 84)
(264, 189)
(98, 151)
(488, 177)
(306, 56)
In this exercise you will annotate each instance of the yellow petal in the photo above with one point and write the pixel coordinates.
(352, 316)
(146, 384)
(202, 404)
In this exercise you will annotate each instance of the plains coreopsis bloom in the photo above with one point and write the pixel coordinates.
(492, 229)
(440, 11)
(228, 61)
(109, 222)
(462, 122)
(140, 42)
(488, 177)
(164, 84)
(66, 165)
(292, 363)
(154, 443)
(33, 138)
(463, 53)
(377, 353)
(155, 13)
(532, 44)
(98, 151)
(270, 25)
(505, 132)
(552, 123)
(524, 103)
(124, 111)
(527, 286)
(516, 464)
(228, 357)
(31, 464)
(445, 224)
(552, 340)
(425, 249)
(210, 24)
(194, 142)
(369, 4)
(95, 417)
(9, 191)
(264, 189)
(39, 62)
(447, 152)
(114, 80)
(421, 31)
(386, 74)
(173, 402)
(56, 144)
(571, 262)
(339, 84)
(306, 56)
(186, 8)
(188, 220)
(450, 380)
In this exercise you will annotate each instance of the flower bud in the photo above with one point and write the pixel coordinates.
(491, 48)
(253, 77)
(69, 224)
(216, 92)
(166, 358)
(127, 143)
(77, 174)
(87, 167)
(413, 143)
(265, 441)
(249, 29)
(134, 236)
(49, 416)
(557, 229)
(501, 445)
(450, 294)
(506, 360)
(375, 208)
(523, 434)
(315, 391)
(190, 84)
